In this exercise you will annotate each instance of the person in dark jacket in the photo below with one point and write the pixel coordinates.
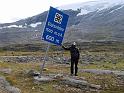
(74, 57)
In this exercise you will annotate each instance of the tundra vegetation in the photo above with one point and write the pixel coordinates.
(94, 55)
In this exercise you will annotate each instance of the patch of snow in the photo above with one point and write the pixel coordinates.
(36, 24)
(36, 30)
(13, 26)
(91, 6)
(70, 6)
(10, 26)
(25, 24)
(1, 28)
(20, 26)
(83, 12)
(117, 9)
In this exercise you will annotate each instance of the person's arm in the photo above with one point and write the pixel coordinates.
(65, 48)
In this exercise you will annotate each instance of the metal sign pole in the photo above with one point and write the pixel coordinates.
(45, 58)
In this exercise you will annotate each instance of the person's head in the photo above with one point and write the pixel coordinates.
(74, 44)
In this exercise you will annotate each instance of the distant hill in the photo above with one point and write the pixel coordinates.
(90, 21)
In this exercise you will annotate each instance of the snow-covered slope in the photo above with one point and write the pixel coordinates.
(96, 5)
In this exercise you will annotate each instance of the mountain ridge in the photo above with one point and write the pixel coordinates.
(103, 24)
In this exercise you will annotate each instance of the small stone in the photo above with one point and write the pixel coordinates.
(95, 86)
(58, 76)
(33, 88)
(45, 69)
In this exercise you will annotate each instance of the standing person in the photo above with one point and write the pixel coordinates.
(74, 57)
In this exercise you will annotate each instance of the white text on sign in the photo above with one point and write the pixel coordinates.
(55, 33)
(54, 26)
(48, 37)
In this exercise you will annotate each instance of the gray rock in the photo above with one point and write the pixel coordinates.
(119, 73)
(79, 83)
(3, 82)
(13, 89)
(6, 87)
(95, 86)
(43, 79)
(58, 76)
(21, 59)
(99, 71)
(75, 82)
(6, 71)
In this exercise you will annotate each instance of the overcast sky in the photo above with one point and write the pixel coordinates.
(12, 10)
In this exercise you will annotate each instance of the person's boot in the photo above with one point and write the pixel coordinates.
(76, 75)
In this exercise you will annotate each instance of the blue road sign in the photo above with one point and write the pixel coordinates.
(55, 26)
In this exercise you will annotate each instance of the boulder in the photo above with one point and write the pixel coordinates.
(67, 80)
(43, 79)
(58, 76)
(6, 71)
(6, 87)
(79, 83)
(13, 89)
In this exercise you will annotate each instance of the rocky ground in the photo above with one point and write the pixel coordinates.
(97, 72)
(85, 57)
(5, 86)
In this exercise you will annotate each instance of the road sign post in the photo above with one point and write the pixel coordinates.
(45, 58)
(54, 29)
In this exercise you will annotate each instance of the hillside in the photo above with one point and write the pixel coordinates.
(90, 21)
